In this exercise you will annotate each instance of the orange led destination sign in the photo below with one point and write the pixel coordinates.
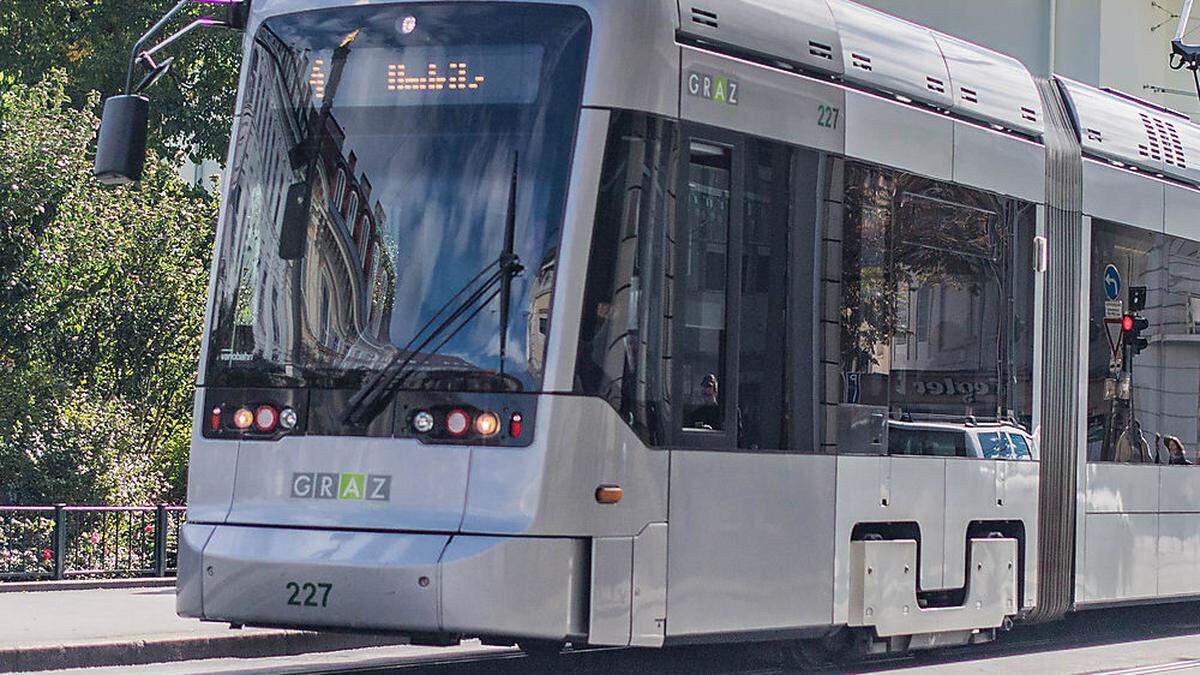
(417, 76)
(400, 78)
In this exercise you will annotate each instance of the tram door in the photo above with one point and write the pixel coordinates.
(751, 500)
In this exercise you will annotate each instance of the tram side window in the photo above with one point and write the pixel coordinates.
(1154, 419)
(1179, 327)
(621, 349)
(935, 307)
(699, 354)
(686, 328)
(763, 403)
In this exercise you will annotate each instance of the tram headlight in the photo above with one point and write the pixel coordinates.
(243, 418)
(487, 424)
(458, 422)
(422, 422)
(266, 418)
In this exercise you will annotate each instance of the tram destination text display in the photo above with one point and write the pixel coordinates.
(428, 76)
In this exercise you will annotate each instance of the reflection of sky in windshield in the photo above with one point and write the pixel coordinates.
(445, 201)
(435, 174)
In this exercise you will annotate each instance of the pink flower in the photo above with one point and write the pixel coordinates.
(148, 529)
(47, 554)
(94, 538)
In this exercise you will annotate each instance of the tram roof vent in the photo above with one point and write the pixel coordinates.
(819, 50)
(705, 17)
(798, 35)
(991, 86)
(903, 57)
(1121, 128)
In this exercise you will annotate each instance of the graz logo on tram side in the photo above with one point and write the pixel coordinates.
(716, 88)
(343, 486)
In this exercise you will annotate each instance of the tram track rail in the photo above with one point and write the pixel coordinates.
(1097, 628)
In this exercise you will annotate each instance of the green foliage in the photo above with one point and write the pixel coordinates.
(101, 309)
(91, 41)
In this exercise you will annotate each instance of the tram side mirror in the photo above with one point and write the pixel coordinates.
(121, 147)
(293, 231)
(237, 14)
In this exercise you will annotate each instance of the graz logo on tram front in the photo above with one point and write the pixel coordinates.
(342, 486)
(716, 88)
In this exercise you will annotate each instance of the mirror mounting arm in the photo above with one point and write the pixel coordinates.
(238, 11)
(134, 55)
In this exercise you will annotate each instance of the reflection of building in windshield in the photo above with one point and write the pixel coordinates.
(539, 315)
(347, 277)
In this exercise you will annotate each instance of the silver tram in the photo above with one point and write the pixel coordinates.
(647, 322)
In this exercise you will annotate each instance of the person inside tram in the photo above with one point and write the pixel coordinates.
(1176, 454)
(708, 414)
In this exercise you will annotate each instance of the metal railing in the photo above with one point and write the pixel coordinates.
(71, 542)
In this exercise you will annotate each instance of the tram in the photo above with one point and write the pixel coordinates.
(654, 322)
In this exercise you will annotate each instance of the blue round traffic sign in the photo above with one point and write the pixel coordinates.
(1112, 282)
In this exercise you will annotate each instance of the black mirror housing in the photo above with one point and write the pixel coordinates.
(121, 147)
(237, 15)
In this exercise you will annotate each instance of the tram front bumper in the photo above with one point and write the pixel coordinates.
(521, 587)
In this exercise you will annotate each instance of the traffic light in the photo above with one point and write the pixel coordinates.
(1132, 326)
(1137, 298)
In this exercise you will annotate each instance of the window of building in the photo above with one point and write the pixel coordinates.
(339, 193)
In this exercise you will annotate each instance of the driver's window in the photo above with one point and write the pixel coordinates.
(702, 282)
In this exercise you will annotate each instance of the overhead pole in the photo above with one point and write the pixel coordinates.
(1184, 55)
(1183, 21)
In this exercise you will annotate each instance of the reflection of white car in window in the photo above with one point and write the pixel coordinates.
(986, 440)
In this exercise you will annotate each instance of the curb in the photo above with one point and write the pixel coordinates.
(141, 652)
(85, 584)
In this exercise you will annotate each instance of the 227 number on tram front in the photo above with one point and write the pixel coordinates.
(306, 594)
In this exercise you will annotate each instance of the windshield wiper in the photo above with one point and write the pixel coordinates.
(376, 393)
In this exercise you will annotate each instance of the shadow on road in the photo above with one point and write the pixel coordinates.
(1084, 629)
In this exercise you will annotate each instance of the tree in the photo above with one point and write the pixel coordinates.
(101, 309)
(91, 39)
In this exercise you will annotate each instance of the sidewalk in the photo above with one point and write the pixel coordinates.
(50, 630)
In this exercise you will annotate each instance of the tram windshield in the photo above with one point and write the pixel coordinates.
(385, 155)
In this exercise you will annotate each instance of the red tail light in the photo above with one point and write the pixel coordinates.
(515, 425)
(215, 419)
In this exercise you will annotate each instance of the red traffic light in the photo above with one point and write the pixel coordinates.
(1127, 323)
